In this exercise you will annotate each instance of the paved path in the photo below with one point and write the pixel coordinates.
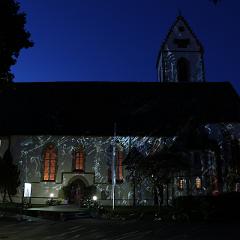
(58, 208)
(113, 230)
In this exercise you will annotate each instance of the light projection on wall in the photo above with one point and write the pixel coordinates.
(170, 70)
(29, 154)
(27, 190)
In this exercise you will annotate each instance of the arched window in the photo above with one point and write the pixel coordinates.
(181, 184)
(198, 183)
(119, 172)
(119, 167)
(183, 70)
(79, 160)
(49, 163)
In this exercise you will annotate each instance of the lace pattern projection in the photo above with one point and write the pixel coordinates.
(28, 152)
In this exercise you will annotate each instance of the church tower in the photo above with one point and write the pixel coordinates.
(181, 56)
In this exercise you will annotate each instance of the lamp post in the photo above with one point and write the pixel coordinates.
(114, 167)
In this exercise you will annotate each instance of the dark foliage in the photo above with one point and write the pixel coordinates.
(9, 176)
(13, 37)
(191, 137)
(224, 207)
(133, 163)
(161, 166)
(158, 168)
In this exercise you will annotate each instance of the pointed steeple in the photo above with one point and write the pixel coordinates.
(179, 12)
(181, 55)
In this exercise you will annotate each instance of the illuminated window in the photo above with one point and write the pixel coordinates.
(198, 183)
(237, 187)
(119, 167)
(79, 160)
(119, 172)
(49, 163)
(180, 184)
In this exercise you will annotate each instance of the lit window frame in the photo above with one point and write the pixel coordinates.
(119, 165)
(49, 167)
(79, 159)
(181, 183)
(119, 157)
(198, 183)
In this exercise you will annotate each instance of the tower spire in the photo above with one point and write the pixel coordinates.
(180, 58)
(179, 12)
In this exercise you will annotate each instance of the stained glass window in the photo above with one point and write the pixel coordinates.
(79, 160)
(180, 184)
(119, 172)
(50, 162)
(119, 167)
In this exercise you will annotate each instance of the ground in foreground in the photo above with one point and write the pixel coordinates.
(114, 230)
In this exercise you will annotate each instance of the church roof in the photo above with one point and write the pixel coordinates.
(179, 18)
(91, 108)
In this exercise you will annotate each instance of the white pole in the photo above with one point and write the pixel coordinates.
(114, 167)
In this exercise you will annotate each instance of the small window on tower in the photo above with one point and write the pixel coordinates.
(181, 28)
(182, 43)
(119, 177)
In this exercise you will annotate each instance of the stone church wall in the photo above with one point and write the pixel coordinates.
(28, 155)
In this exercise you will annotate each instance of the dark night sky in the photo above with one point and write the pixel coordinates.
(118, 40)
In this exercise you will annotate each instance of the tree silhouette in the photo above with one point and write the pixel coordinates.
(133, 162)
(158, 168)
(13, 37)
(161, 166)
(9, 176)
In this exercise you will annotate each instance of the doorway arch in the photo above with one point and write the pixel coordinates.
(183, 70)
(77, 190)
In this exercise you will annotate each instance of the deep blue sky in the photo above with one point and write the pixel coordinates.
(118, 40)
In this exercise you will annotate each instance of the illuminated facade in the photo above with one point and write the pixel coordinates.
(51, 162)
(59, 146)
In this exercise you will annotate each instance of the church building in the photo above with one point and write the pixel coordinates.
(66, 136)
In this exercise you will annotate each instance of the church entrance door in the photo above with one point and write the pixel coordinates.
(77, 192)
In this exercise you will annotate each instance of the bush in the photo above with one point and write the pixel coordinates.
(53, 202)
(197, 208)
